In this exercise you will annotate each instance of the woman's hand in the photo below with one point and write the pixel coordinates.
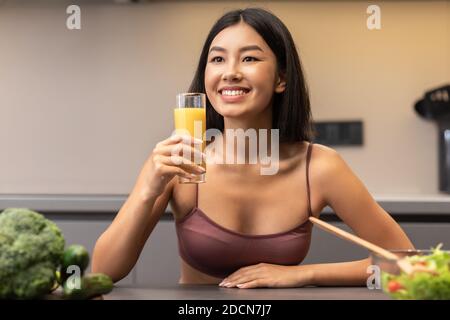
(169, 158)
(268, 275)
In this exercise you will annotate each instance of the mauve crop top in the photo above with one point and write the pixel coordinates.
(218, 251)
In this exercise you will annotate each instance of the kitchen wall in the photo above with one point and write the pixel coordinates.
(80, 110)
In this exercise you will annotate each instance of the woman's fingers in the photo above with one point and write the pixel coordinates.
(249, 272)
(182, 149)
(240, 272)
(160, 166)
(188, 139)
(238, 280)
(186, 146)
(168, 171)
(181, 162)
(168, 162)
(177, 138)
(251, 284)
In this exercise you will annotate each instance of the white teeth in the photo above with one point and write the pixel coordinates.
(232, 92)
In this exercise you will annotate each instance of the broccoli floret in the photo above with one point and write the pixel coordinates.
(31, 249)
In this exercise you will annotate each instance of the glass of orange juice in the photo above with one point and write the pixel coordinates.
(190, 119)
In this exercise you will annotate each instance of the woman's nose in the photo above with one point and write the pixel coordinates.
(232, 75)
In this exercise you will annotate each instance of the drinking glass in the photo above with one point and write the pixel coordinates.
(190, 119)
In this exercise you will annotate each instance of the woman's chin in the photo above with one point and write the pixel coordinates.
(232, 110)
(234, 115)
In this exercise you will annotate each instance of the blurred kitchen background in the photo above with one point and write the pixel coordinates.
(81, 110)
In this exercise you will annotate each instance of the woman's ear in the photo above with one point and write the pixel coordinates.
(281, 83)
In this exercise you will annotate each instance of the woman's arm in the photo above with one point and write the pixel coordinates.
(349, 198)
(341, 189)
(118, 248)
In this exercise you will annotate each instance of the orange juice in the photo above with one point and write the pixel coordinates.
(186, 118)
(191, 121)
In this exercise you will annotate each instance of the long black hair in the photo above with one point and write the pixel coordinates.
(291, 108)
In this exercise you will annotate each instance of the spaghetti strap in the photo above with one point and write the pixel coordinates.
(308, 158)
(196, 196)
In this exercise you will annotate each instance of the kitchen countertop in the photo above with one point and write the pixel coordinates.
(438, 204)
(212, 292)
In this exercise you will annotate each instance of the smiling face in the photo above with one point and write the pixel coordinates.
(241, 73)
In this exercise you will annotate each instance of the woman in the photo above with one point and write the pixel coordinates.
(243, 229)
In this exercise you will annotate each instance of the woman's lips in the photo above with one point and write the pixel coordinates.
(235, 98)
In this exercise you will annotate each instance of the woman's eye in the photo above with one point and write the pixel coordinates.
(217, 59)
(248, 59)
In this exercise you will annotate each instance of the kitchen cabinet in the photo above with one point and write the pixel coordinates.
(159, 261)
(82, 218)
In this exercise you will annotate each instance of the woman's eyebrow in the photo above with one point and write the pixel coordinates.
(246, 48)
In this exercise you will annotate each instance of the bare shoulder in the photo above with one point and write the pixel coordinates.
(325, 159)
(326, 165)
(325, 156)
(334, 177)
(322, 162)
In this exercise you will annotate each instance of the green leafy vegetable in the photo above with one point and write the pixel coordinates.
(422, 285)
(31, 248)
